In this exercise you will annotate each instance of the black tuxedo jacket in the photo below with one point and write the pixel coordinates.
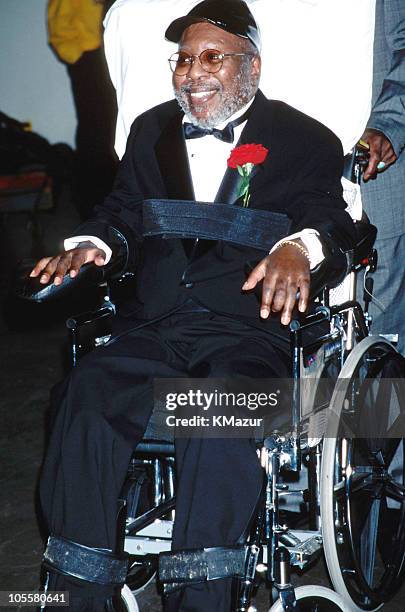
(300, 177)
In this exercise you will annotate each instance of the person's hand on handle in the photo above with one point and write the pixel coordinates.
(382, 154)
(67, 262)
(284, 273)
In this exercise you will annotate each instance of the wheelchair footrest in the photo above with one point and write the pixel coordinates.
(303, 546)
(97, 565)
(200, 565)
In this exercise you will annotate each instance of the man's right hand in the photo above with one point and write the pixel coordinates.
(67, 262)
(381, 152)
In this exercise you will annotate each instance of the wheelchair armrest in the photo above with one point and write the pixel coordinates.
(31, 289)
(325, 275)
(366, 234)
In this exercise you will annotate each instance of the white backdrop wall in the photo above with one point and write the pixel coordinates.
(34, 85)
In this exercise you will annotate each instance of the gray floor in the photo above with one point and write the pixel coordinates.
(31, 362)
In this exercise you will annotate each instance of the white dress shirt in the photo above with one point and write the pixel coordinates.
(208, 157)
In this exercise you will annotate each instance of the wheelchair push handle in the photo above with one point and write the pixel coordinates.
(356, 161)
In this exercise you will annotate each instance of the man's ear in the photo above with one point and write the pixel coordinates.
(256, 65)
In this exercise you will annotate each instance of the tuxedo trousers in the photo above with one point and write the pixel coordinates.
(98, 416)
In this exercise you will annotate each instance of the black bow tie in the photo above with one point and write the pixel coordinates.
(193, 131)
(226, 135)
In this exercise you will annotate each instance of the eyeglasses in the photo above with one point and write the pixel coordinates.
(210, 60)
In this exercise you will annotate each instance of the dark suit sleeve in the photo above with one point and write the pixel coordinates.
(388, 112)
(118, 220)
(315, 198)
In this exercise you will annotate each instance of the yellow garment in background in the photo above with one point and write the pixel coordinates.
(74, 26)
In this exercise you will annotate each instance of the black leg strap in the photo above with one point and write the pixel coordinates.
(200, 565)
(97, 565)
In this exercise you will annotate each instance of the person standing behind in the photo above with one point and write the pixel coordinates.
(383, 189)
(138, 63)
(352, 79)
(75, 34)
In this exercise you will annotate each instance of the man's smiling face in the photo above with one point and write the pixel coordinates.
(207, 98)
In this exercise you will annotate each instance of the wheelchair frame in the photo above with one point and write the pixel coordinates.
(150, 533)
(273, 548)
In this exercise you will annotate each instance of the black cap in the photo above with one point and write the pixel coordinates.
(232, 16)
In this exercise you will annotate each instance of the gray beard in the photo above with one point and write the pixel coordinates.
(230, 102)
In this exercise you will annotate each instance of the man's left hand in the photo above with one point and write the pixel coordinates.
(284, 273)
(381, 150)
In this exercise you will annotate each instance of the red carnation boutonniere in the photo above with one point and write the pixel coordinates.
(243, 159)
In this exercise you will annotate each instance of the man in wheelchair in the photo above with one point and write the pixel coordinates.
(188, 225)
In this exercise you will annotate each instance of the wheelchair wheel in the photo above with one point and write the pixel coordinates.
(314, 598)
(363, 478)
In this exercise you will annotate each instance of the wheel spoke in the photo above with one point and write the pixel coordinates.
(395, 491)
(361, 478)
(361, 482)
(389, 448)
(368, 542)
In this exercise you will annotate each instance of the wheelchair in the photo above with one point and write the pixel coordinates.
(347, 455)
